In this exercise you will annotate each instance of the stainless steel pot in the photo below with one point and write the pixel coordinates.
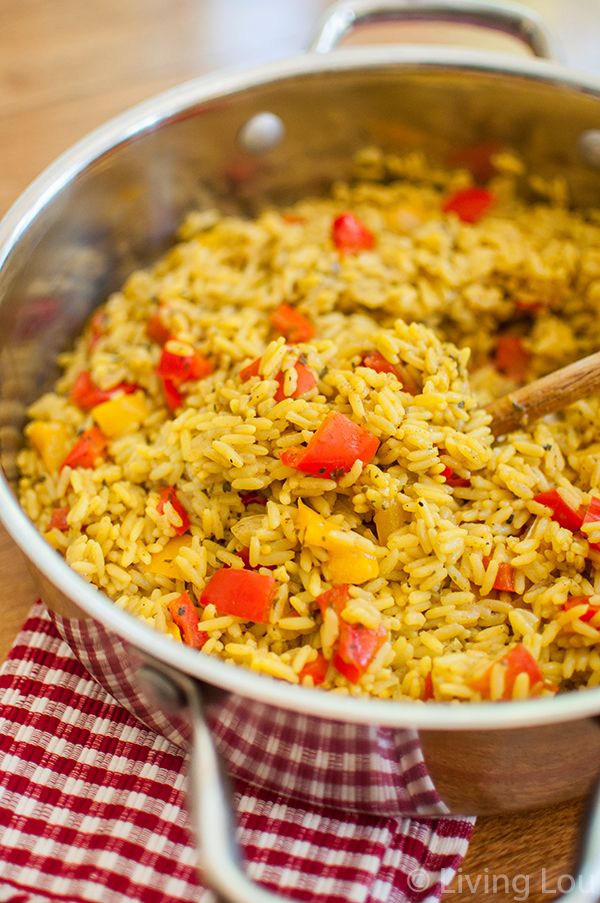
(238, 141)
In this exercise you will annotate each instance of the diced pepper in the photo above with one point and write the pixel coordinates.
(51, 441)
(517, 661)
(477, 158)
(562, 513)
(97, 327)
(469, 204)
(428, 690)
(252, 498)
(173, 396)
(530, 307)
(350, 235)
(241, 593)
(88, 449)
(293, 218)
(86, 394)
(336, 598)
(512, 358)
(156, 329)
(170, 495)
(180, 363)
(250, 370)
(374, 360)
(316, 669)
(58, 519)
(574, 601)
(305, 382)
(291, 324)
(353, 565)
(184, 614)
(452, 479)
(388, 520)
(505, 578)
(333, 449)
(315, 530)
(163, 562)
(244, 554)
(592, 515)
(356, 648)
(122, 414)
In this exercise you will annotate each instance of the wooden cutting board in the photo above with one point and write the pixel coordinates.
(65, 67)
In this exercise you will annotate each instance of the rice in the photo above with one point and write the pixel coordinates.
(428, 525)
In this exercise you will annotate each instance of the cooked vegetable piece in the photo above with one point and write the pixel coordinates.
(389, 519)
(88, 449)
(574, 601)
(86, 394)
(505, 578)
(374, 360)
(353, 565)
(250, 370)
(563, 513)
(291, 324)
(157, 330)
(428, 689)
(252, 498)
(122, 414)
(245, 556)
(515, 662)
(163, 562)
(51, 441)
(58, 519)
(512, 358)
(453, 479)
(173, 396)
(350, 235)
(334, 448)
(169, 495)
(305, 382)
(180, 363)
(356, 648)
(241, 593)
(469, 204)
(184, 614)
(592, 515)
(316, 669)
(336, 598)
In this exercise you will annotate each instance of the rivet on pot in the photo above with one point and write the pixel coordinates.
(261, 133)
(589, 147)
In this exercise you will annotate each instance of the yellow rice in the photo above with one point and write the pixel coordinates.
(431, 295)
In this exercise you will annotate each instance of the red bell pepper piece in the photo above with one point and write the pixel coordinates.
(592, 610)
(245, 556)
(173, 396)
(317, 670)
(505, 578)
(184, 614)
(289, 322)
(452, 479)
(180, 368)
(336, 598)
(90, 446)
(591, 516)
(517, 661)
(58, 519)
(170, 495)
(241, 593)
(334, 448)
(306, 381)
(562, 513)
(250, 370)
(356, 649)
(512, 358)
(156, 329)
(376, 361)
(86, 394)
(428, 691)
(252, 498)
(469, 204)
(350, 235)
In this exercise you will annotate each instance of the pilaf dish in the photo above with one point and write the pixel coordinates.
(270, 444)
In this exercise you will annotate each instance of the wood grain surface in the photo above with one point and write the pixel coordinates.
(65, 66)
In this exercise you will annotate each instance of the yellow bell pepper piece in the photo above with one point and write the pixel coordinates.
(52, 441)
(389, 519)
(315, 530)
(352, 566)
(163, 562)
(122, 414)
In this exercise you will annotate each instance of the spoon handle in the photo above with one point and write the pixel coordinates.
(545, 395)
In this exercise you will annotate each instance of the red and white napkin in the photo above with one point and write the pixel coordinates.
(92, 808)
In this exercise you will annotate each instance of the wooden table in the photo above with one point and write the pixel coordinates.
(66, 66)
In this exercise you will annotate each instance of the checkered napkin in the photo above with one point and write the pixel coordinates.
(92, 808)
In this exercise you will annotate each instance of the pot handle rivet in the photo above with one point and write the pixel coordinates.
(261, 133)
(589, 147)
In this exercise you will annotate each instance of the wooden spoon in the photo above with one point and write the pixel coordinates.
(545, 395)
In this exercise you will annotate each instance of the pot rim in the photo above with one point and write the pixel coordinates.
(125, 127)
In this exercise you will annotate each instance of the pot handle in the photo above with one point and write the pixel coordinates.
(211, 805)
(521, 23)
